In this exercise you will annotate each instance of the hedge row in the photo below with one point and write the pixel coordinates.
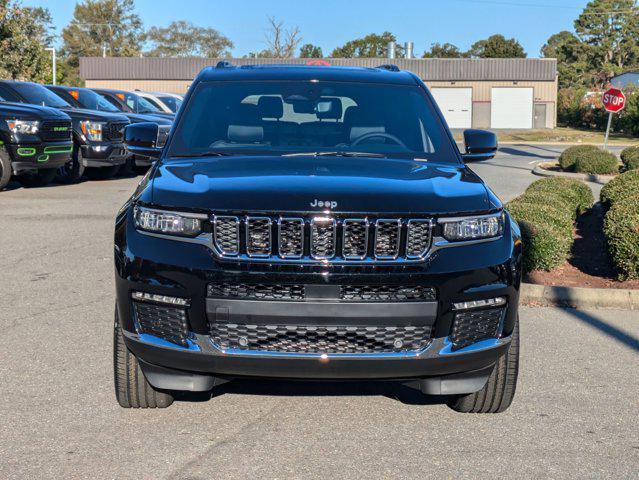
(621, 224)
(546, 214)
(588, 159)
(630, 158)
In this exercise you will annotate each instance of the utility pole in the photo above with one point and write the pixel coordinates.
(53, 62)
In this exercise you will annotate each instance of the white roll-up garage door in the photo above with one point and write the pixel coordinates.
(511, 107)
(456, 104)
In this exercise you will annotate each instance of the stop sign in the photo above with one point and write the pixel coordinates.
(614, 100)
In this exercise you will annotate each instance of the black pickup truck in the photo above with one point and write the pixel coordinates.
(315, 223)
(90, 100)
(97, 136)
(34, 143)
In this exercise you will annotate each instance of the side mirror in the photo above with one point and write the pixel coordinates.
(145, 139)
(480, 145)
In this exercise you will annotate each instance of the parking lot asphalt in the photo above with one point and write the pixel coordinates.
(574, 415)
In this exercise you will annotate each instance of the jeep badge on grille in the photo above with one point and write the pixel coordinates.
(325, 203)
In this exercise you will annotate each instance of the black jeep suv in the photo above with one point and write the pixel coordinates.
(34, 143)
(315, 223)
(97, 136)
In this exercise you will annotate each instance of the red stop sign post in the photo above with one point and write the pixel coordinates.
(613, 101)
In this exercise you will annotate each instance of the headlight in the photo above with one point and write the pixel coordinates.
(472, 228)
(23, 127)
(92, 130)
(166, 222)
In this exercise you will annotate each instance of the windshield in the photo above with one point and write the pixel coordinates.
(281, 117)
(39, 95)
(91, 100)
(172, 102)
(139, 104)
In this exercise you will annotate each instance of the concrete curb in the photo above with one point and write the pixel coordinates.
(567, 144)
(579, 297)
(586, 177)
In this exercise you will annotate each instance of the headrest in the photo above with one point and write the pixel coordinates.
(270, 107)
(350, 113)
(357, 132)
(245, 134)
(330, 108)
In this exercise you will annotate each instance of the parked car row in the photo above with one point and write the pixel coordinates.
(49, 131)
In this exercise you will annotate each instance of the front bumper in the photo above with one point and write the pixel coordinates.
(30, 157)
(103, 154)
(146, 263)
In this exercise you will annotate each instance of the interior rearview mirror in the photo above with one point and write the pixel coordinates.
(145, 139)
(479, 145)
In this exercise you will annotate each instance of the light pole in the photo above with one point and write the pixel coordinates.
(52, 50)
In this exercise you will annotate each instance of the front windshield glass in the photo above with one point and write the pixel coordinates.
(139, 104)
(39, 95)
(280, 117)
(93, 101)
(172, 102)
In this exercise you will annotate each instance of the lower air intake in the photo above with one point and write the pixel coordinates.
(472, 326)
(310, 339)
(168, 323)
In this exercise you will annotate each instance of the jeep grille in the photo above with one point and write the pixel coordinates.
(320, 239)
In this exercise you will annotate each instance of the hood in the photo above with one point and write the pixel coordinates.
(94, 115)
(35, 112)
(141, 117)
(170, 116)
(298, 184)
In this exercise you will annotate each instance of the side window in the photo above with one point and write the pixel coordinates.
(112, 102)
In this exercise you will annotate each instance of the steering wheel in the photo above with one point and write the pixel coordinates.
(388, 136)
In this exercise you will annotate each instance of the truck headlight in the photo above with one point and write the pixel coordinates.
(169, 223)
(92, 130)
(23, 127)
(472, 228)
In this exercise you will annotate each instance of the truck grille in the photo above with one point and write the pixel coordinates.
(306, 339)
(319, 239)
(114, 131)
(475, 325)
(168, 323)
(297, 292)
(55, 130)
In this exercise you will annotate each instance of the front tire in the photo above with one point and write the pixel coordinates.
(36, 179)
(72, 171)
(5, 168)
(499, 391)
(131, 386)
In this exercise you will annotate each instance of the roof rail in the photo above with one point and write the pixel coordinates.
(389, 67)
(224, 64)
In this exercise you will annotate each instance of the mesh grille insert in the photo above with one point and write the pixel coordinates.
(227, 235)
(320, 339)
(355, 239)
(256, 291)
(291, 237)
(386, 293)
(387, 239)
(323, 238)
(258, 236)
(169, 323)
(471, 326)
(418, 238)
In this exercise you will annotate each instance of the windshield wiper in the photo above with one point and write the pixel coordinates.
(337, 153)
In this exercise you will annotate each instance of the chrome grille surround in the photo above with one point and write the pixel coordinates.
(290, 233)
(418, 238)
(320, 238)
(258, 236)
(226, 233)
(355, 238)
(387, 237)
(323, 237)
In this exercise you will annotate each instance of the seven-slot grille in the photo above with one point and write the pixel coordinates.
(321, 238)
(55, 130)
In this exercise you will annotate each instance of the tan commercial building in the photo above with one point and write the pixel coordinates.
(498, 93)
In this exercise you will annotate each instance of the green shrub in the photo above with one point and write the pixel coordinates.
(620, 188)
(597, 163)
(569, 157)
(546, 214)
(576, 193)
(621, 227)
(630, 158)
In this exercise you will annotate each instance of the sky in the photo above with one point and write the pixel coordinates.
(330, 23)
